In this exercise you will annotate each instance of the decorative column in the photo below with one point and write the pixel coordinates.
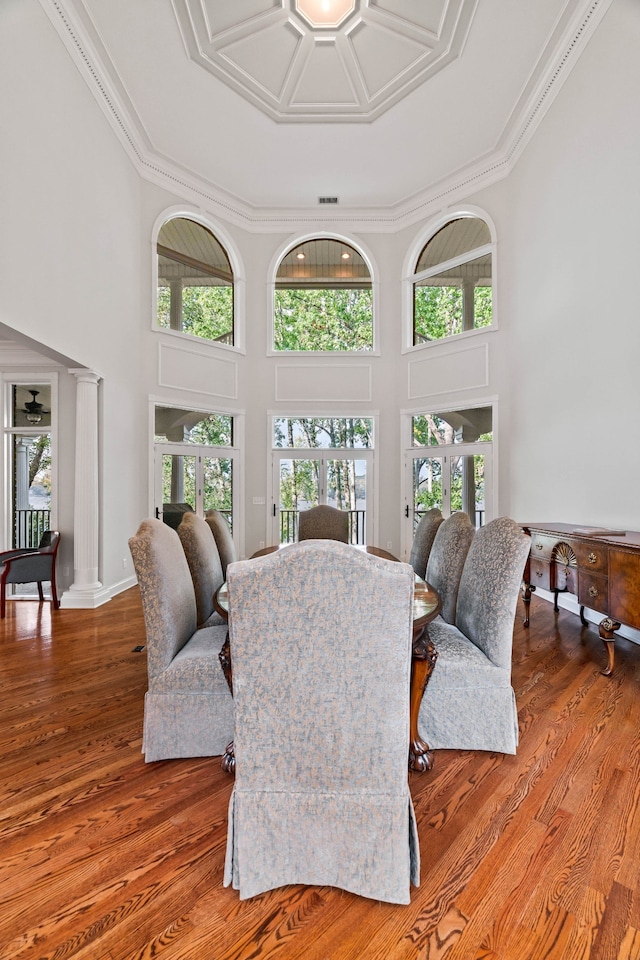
(86, 589)
(468, 304)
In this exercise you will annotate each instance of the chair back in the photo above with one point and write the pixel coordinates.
(446, 560)
(323, 523)
(203, 558)
(321, 650)
(222, 534)
(489, 588)
(49, 542)
(423, 540)
(166, 589)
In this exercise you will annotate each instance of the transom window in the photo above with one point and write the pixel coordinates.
(323, 300)
(195, 282)
(452, 284)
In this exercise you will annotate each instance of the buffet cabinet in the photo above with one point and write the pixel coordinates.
(601, 567)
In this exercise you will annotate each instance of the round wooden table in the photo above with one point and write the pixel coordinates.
(426, 606)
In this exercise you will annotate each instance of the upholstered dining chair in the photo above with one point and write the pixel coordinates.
(323, 523)
(204, 565)
(188, 709)
(31, 565)
(423, 540)
(321, 655)
(222, 535)
(469, 703)
(446, 560)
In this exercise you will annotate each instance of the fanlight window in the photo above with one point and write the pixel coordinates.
(323, 299)
(452, 284)
(195, 282)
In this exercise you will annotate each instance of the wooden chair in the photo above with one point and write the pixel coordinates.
(31, 565)
(321, 638)
(323, 523)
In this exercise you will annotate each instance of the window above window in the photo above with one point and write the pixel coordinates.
(323, 432)
(176, 425)
(195, 282)
(452, 284)
(457, 426)
(323, 299)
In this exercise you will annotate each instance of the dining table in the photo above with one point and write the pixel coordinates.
(426, 606)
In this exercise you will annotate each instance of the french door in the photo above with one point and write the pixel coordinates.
(202, 477)
(302, 479)
(453, 477)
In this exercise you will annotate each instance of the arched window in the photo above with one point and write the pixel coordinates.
(323, 299)
(195, 282)
(452, 290)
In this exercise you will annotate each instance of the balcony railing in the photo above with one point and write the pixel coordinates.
(419, 514)
(29, 525)
(289, 526)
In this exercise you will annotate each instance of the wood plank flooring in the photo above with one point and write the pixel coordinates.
(104, 857)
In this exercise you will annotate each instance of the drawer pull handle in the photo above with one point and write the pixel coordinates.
(538, 573)
(592, 558)
(593, 591)
(538, 546)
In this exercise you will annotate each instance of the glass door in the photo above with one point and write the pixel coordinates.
(198, 479)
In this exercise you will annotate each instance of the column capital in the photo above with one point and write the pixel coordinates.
(83, 373)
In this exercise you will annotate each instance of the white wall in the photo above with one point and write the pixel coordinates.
(70, 258)
(567, 220)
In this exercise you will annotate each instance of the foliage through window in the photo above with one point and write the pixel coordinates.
(195, 282)
(323, 299)
(452, 284)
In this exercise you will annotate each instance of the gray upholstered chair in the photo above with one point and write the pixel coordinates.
(31, 565)
(423, 540)
(323, 523)
(222, 535)
(321, 656)
(469, 703)
(188, 709)
(203, 558)
(446, 560)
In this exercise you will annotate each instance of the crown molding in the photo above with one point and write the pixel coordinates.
(571, 34)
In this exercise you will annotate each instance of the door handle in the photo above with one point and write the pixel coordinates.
(406, 511)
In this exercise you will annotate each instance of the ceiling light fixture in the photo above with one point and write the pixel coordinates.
(300, 256)
(324, 13)
(33, 409)
(346, 256)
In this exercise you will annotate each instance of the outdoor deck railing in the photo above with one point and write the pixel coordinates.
(289, 526)
(29, 525)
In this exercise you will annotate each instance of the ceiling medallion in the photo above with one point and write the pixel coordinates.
(324, 60)
(325, 13)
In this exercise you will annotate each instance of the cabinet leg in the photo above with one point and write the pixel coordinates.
(527, 590)
(585, 622)
(606, 629)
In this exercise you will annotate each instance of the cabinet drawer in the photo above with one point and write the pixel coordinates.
(539, 573)
(542, 546)
(624, 577)
(592, 557)
(592, 592)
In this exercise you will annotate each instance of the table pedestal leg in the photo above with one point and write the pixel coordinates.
(228, 762)
(423, 662)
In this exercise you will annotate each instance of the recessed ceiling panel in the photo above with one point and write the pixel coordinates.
(388, 48)
(383, 55)
(324, 82)
(234, 13)
(265, 57)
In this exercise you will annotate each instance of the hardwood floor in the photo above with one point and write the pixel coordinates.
(104, 857)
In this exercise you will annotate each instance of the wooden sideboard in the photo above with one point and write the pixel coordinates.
(601, 567)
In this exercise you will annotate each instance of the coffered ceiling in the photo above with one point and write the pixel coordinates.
(262, 107)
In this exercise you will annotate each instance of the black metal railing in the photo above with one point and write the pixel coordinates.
(289, 526)
(29, 525)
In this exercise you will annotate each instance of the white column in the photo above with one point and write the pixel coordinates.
(86, 589)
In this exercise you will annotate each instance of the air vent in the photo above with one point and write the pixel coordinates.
(327, 199)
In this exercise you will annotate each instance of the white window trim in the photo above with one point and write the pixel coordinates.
(271, 287)
(239, 294)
